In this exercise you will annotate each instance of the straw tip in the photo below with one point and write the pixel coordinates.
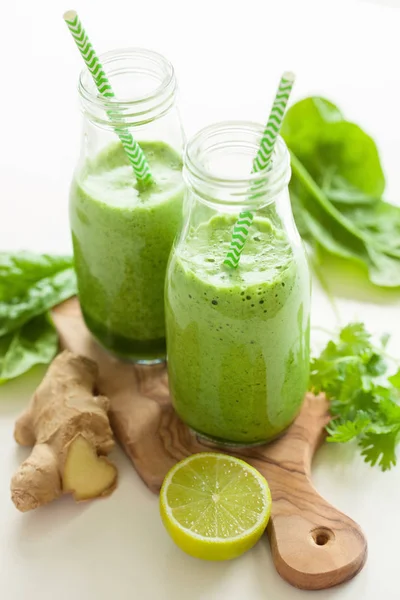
(70, 15)
(289, 76)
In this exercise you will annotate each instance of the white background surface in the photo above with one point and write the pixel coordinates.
(228, 57)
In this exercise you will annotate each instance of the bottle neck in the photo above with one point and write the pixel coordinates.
(218, 167)
(144, 87)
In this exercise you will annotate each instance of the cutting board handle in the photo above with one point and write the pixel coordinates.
(314, 546)
(318, 548)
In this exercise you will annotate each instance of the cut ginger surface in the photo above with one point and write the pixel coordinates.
(66, 422)
(87, 475)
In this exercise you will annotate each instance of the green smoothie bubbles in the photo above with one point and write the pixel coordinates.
(238, 338)
(123, 228)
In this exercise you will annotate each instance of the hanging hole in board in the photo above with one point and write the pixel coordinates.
(322, 535)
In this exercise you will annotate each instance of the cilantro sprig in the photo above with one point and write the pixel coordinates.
(364, 400)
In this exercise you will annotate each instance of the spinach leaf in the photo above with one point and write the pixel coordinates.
(324, 224)
(30, 285)
(341, 158)
(34, 343)
(343, 193)
(382, 221)
(335, 190)
(19, 270)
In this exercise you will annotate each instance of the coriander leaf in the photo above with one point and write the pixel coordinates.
(355, 335)
(30, 285)
(376, 365)
(344, 432)
(390, 411)
(358, 400)
(34, 343)
(395, 380)
(351, 378)
(364, 401)
(380, 449)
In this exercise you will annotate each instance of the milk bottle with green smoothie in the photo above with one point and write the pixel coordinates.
(237, 339)
(123, 231)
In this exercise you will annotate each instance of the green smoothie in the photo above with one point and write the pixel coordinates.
(238, 340)
(122, 237)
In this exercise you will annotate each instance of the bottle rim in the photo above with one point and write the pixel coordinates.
(213, 188)
(142, 108)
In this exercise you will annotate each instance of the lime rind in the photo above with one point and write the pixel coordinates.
(215, 506)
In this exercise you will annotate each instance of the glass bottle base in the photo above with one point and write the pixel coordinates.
(141, 352)
(225, 444)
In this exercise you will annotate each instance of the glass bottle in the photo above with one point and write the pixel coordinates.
(237, 339)
(122, 234)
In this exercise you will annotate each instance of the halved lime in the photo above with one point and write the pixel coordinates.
(215, 506)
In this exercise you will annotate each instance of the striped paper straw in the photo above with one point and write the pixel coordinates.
(133, 150)
(261, 162)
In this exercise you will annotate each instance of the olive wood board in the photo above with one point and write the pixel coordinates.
(314, 546)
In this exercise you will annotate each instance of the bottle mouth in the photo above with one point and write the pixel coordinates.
(143, 82)
(218, 165)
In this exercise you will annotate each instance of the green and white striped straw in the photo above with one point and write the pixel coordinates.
(261, 162)
(133, 150)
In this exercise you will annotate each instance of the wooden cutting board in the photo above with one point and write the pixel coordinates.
(314, 546)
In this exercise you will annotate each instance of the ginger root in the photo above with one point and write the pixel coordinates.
(68, 426)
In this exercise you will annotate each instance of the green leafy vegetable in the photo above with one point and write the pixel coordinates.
(30, 285)
(18, 270)
(395, 380)
(34, 343)
(381, 220)
(336, 187)
(364, 400)
(341, 158)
